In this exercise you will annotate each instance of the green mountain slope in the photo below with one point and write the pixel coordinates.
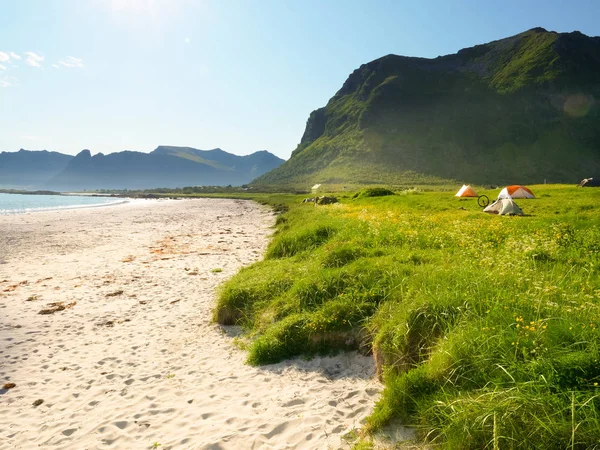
(252, 165)
(518, 110)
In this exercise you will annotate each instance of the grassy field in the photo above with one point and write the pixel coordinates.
(485, 329)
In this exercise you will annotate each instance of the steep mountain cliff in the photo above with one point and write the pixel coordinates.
(519, 110)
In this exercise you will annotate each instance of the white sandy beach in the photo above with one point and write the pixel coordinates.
(134, 360)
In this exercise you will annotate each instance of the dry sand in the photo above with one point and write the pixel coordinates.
(133, 359)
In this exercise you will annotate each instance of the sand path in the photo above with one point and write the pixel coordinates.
(133, 360)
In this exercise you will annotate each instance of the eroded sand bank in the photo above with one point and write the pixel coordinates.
(133, 360)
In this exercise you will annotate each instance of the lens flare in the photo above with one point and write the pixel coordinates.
(577, 105)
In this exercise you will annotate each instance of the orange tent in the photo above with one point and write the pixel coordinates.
(516, 191)
(466, 191)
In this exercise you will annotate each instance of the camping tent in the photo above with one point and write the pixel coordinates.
(590, 182)
(516, 191)
(504, 206)
(466, 191)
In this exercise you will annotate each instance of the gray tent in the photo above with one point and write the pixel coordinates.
(504, 206)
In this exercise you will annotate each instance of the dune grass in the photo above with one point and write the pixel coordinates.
(484, 328)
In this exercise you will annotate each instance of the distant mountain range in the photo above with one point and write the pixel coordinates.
(518, 110)
(164, 167)
(30, 169)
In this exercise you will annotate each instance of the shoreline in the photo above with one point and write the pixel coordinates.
(115, 202)
(134, 358)
(9, 212)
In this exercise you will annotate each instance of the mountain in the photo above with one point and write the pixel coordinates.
(518, 110)
(28, 169)
(251, 166)
(164, 167)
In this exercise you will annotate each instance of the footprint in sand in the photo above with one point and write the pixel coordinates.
(295, 402)
(122, 424)
(338, 429)
(277, 430)
(372, 391)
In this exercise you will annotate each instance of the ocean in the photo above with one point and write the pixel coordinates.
(23, 203)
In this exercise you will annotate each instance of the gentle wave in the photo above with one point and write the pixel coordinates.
(61, 207)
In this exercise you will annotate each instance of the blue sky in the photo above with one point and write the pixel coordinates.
(111, 75)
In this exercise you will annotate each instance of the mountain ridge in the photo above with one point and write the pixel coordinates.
(518, 109)
(24, 168)
(165, 166)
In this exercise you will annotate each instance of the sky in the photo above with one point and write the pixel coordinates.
(241, 75)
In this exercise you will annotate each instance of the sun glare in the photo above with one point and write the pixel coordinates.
(146, 12)
(150, 7)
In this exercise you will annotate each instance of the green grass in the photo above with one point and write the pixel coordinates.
(373, 192)
(484, 329)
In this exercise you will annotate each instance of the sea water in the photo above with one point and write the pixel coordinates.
(25, 203)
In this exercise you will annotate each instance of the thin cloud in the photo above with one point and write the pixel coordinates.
(33, 59)
(187, 40)
(13, 55)
(71, 61)
(56, 66)
(4, 57)
(2, 67)
(8, 82)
